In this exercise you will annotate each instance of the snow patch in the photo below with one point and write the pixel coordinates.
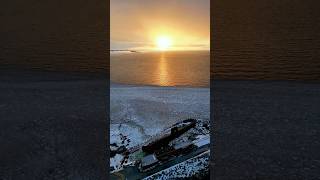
(185, 169)
(116, 161)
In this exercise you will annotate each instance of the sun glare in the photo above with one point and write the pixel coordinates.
(163, 43)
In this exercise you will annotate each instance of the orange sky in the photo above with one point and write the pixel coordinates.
(137, 24)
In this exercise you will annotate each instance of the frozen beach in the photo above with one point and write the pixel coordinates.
(139, 112)
(266, 129)
(142, 111)
(52, 125)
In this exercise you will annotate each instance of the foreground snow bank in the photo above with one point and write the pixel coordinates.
(185, 169)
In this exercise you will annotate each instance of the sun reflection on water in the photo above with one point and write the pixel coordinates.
(163, 71)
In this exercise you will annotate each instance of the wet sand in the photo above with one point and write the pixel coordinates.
(266, 130)
(52, 125)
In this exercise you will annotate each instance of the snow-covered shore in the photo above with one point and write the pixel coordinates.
(188, 168)
(139, 112)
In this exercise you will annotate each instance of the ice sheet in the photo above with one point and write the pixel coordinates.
(140, 112)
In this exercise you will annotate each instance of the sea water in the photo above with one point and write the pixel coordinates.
(179, 68)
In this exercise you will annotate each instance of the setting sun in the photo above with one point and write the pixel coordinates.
(163, 43)
(160, 26)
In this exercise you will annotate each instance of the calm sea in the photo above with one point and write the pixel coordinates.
(190, 68)
(273, 40)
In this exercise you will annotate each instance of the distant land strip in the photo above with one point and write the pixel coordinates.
(123, 50)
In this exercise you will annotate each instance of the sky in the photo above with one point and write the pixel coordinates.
(160, 24)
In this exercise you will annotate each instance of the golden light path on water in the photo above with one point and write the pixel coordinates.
(163, 71)
(161, 68)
